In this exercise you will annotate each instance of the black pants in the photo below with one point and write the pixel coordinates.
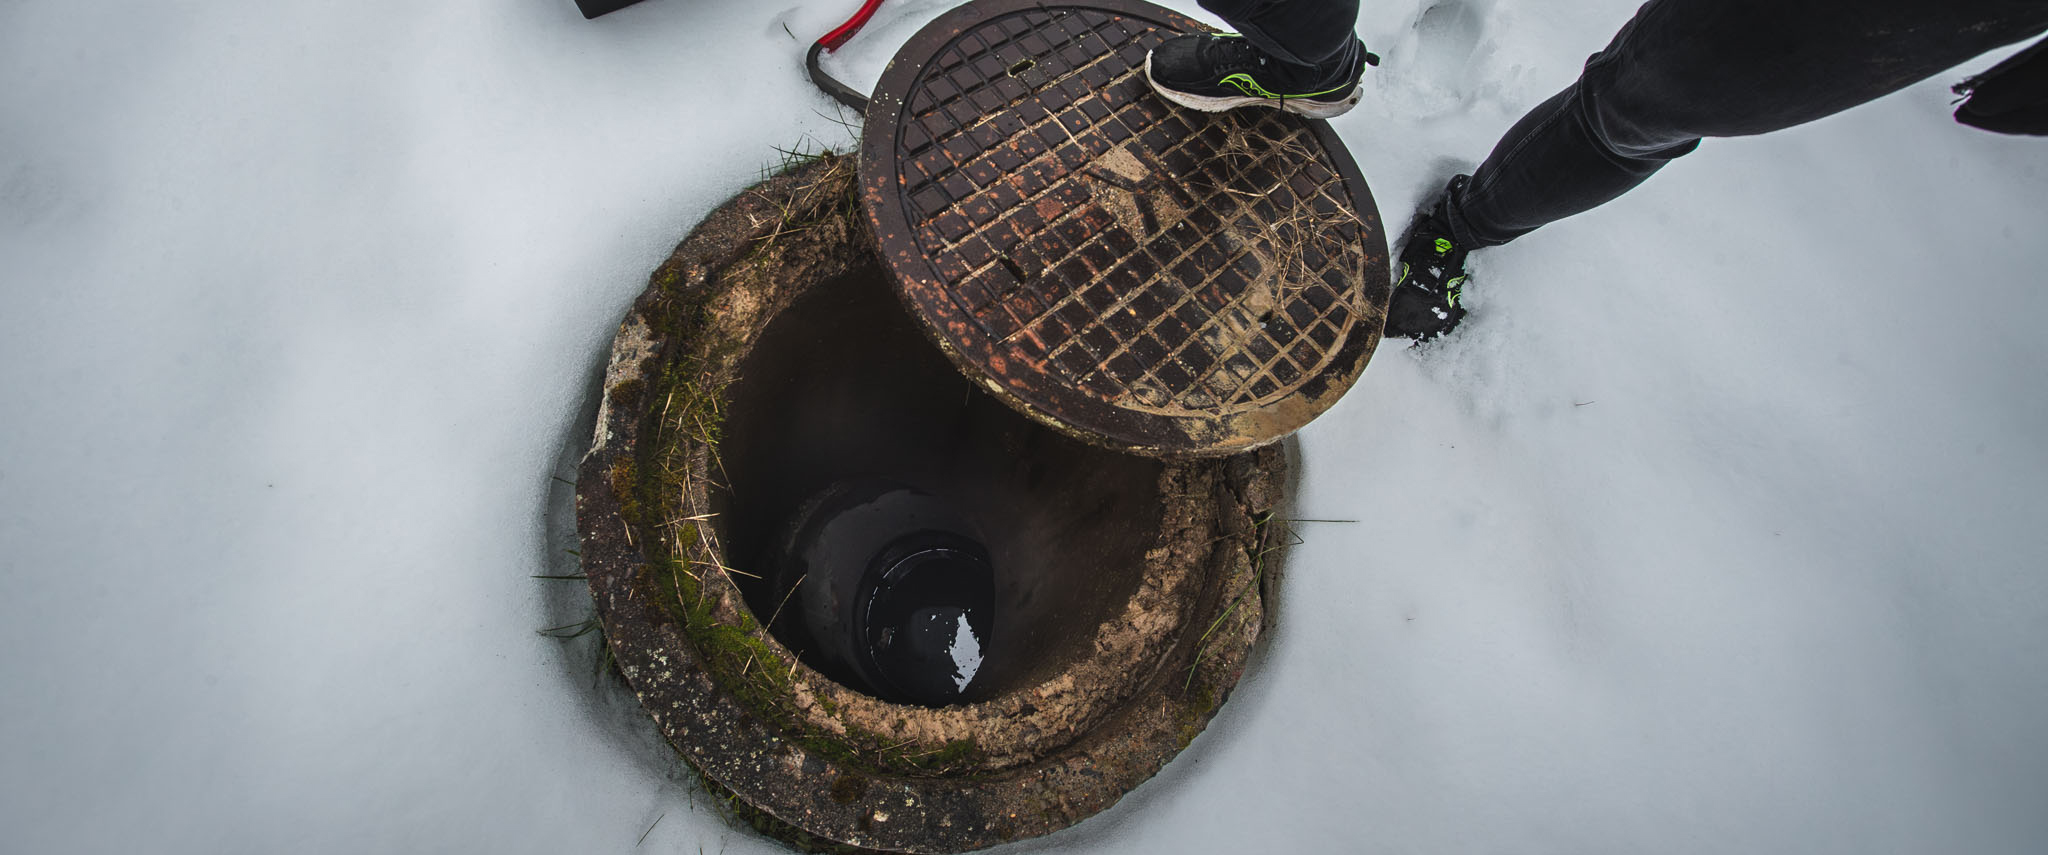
(1303, 32)
(1686, 69)
(1681, 70)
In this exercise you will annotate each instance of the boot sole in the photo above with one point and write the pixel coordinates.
(1219, 103)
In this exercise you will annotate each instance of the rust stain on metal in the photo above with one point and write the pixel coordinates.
(1132, 273)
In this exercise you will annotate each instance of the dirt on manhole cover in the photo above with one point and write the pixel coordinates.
(1136, 274)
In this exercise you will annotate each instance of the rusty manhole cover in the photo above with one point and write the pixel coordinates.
(1131, 272)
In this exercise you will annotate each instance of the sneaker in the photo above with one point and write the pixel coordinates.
(1424, 304)
(1214, 72)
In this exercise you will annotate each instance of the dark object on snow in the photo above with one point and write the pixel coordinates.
(2010, 97)
(594, 8)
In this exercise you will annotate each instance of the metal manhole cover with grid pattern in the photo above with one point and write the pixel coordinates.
(1139, 275)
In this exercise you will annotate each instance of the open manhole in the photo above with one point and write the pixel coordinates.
(906, 597)
(1065, 617)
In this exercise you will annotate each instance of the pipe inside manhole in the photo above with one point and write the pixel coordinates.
(896, 594)
(851, 434)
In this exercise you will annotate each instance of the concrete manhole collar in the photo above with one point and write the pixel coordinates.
(1130, 590)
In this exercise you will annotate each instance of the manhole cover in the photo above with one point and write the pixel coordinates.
(1141, 275)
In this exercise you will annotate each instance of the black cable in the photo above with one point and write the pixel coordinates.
(840, 92)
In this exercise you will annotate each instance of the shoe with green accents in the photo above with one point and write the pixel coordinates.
(1424, 304)
(1214, 72)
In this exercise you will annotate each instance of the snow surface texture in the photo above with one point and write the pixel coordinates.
(1718, 527)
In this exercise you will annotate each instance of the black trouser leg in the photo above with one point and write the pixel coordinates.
(1304, 32)
(1686, 69)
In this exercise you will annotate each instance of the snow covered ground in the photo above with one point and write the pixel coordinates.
(1722, 525)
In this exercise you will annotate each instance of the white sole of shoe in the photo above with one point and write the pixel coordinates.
(1220, 103)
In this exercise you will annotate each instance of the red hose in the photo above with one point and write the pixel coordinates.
(832, 40)
(840, 92)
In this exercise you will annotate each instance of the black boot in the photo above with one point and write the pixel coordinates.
(1222, 71)
(1425, 300)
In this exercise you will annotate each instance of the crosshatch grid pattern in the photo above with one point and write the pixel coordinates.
(1164, 260)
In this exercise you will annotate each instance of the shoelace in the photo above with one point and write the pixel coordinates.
(1236, 54)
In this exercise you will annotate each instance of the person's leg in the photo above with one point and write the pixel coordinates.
(1686, 69)
(1679, 71)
